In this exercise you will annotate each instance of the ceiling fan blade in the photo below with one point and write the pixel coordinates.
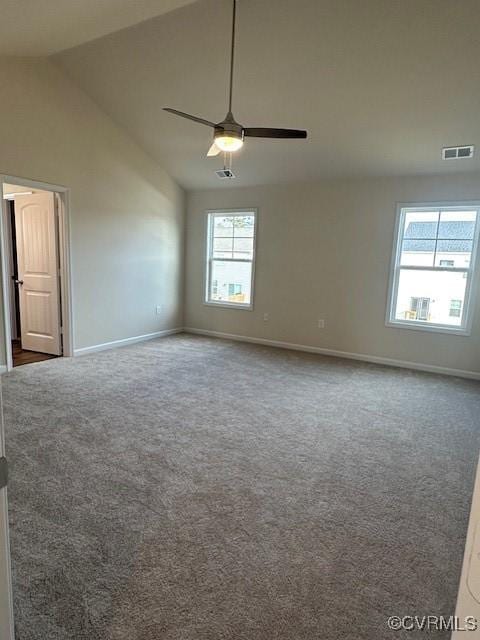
(213, 151)
(189, 117)
(274, 133)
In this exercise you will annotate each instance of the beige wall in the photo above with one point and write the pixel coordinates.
(323, 250)
(127, 214)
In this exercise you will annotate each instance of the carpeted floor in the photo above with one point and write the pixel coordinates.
(194, 489)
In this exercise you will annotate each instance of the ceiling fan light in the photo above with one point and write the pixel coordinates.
(228, 143)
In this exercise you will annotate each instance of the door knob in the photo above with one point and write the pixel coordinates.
(18, 281)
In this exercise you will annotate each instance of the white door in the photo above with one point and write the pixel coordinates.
(6, 609)
(38, 282)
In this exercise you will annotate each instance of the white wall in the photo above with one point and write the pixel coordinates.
(323, 250)
(127, 214)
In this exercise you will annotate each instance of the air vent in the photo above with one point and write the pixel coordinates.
(225, 173)
(456, 153)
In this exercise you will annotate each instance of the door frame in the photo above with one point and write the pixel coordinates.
(65, 262)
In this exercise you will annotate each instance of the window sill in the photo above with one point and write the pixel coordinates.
(431, 328)
(229, 305)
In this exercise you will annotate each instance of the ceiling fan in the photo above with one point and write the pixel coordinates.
(229, 134)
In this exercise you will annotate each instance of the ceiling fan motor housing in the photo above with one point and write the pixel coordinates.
(229, 128)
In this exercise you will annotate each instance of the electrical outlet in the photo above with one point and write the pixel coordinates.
(321, 323)
(158, 310)
(266, 317)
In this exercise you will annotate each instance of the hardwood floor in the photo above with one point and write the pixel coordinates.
(21, 356)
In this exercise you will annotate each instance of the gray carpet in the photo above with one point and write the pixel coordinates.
(193, 489)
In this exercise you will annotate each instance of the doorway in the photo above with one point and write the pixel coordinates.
(36, 274)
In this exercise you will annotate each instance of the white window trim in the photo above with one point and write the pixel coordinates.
(208, 259)
(472, 275)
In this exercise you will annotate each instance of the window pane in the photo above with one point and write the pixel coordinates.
(418, 253)
(243, 225)
(243, 244)
(453, 253)
(419, 237)
(421, 225)
(222, 247)
(457, 225)
(246, 231)
(222, 226)
(426, 296)
(233, 282)
(243, 248)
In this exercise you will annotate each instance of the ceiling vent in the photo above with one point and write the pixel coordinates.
(456, 153)
(225, 173)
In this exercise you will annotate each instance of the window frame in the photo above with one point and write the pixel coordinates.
(464, 329)
(209, 215)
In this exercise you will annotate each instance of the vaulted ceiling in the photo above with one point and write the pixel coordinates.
(381, 85)
(43, 27)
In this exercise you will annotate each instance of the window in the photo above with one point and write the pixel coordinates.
(455, 308)
(419, 308)
(234, 289)
(433, 267)
(230, 258)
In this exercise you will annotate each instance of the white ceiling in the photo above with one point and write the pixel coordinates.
(381, 85)
(43, 27)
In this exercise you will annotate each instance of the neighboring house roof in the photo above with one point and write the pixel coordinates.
(454, 237)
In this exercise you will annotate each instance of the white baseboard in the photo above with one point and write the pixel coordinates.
(125, 341)
(390, 362)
